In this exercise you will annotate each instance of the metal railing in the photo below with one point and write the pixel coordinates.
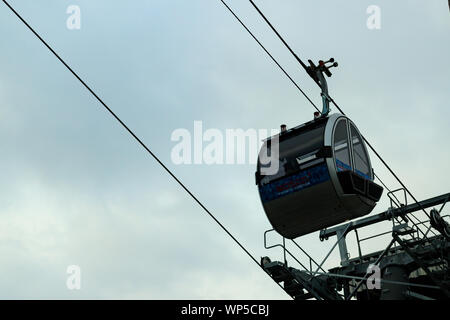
(286, 251)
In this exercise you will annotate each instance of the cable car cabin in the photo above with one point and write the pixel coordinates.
(322, 176)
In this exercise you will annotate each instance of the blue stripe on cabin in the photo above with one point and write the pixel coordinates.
(302, 180)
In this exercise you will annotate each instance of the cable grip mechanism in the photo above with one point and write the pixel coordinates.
(317, 73)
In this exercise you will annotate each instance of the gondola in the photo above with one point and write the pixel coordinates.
(324, 176)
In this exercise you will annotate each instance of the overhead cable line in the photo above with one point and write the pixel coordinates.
(135, 137)
(269, 54)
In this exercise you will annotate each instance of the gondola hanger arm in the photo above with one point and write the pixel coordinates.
(317, 73)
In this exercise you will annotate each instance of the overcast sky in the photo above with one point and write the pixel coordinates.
(76, 189)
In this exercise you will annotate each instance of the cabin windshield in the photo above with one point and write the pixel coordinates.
(341, 150)
(354, 159)
(360, 158)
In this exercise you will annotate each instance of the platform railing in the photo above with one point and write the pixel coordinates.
(398, 204)
(282, 245)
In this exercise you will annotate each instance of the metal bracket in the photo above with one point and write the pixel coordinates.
(341, 233)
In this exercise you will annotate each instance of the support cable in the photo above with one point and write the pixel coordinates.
(136, 138)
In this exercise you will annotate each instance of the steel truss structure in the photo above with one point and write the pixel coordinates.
(414, 265)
